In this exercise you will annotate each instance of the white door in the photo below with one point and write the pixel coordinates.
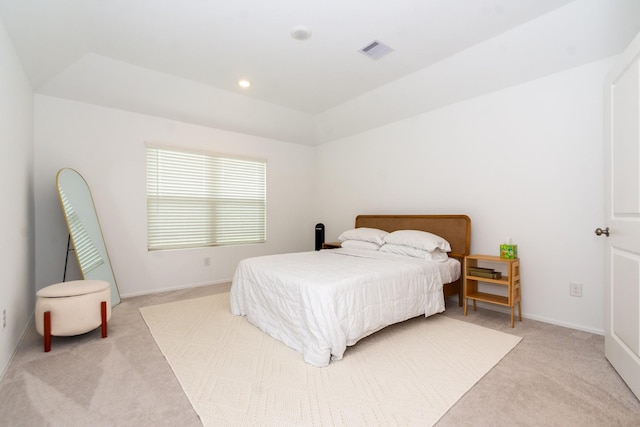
(622, 194)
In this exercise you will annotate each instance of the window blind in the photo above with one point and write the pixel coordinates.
(197, 200)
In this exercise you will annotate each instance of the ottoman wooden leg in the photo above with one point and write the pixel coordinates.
(103, 313)
(47, 331)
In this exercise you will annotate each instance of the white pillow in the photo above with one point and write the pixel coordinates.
(365, 234)
(360, 244)
(435, 255)
(418, 239)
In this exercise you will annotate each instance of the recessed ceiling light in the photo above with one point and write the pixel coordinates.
(300, 32)
(244, 83)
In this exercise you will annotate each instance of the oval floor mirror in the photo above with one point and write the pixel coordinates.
(84, 229)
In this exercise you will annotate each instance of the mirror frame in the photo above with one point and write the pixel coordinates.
(85, 232)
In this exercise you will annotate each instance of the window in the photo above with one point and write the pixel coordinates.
(196, 200)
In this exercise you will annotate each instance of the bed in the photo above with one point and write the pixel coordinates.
(321, 302)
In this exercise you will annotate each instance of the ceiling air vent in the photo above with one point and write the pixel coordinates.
(376, 50)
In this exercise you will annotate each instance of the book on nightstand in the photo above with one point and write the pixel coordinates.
(487, 273)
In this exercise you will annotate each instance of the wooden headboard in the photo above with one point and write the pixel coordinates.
(456, 229)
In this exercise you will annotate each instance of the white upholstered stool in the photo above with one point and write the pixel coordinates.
(72, 308)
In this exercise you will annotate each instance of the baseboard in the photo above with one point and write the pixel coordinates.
(177, 288)
(29, 325)
(556, 322)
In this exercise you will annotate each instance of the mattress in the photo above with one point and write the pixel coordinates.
(320, 302)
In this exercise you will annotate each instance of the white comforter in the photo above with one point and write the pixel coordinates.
(320, 302)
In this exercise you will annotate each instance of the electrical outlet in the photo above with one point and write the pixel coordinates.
(575, 289)
(207, 262)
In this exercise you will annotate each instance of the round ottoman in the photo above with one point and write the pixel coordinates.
(72, 308)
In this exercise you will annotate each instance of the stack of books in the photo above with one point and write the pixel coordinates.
(488, 273)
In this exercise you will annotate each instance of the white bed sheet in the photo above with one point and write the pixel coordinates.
(320, 302)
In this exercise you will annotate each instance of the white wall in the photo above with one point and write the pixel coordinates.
(107, 147)
(16, 216)
(524, 162)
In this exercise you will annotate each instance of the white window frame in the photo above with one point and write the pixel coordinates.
(197, 199)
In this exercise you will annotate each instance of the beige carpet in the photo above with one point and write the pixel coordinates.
(408, 374)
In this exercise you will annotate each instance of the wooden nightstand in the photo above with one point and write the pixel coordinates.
(511, 281)
(331, 245)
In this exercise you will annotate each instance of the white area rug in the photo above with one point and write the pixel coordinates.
(408, 374)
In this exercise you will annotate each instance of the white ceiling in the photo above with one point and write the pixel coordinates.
(215, 42)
